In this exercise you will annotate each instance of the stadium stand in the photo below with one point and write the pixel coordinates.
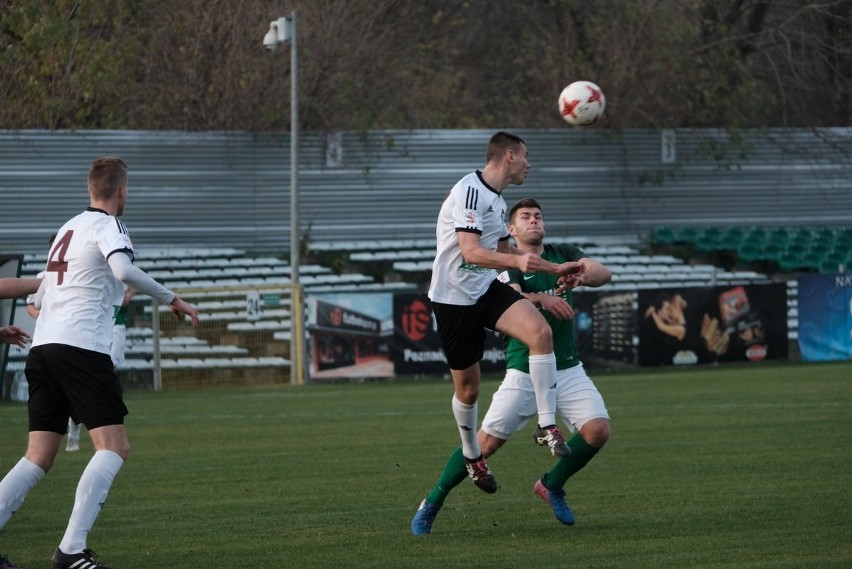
(231, 338)
(217, 281)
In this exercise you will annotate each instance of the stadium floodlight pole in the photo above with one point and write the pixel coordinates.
(283, 30)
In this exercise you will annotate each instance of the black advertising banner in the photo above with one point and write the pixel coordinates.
(394, 335)
(604, 327)
(685, 326)
(416, 349)
(339, 318)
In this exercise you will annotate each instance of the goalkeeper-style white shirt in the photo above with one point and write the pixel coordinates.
(80, 289)
(476, 207)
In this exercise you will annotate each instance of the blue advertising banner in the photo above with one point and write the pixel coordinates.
(825, 317)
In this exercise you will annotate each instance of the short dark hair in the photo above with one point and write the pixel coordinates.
(524, 203)
(500, 143)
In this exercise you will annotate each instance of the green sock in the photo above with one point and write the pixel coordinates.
(567, 466)
(454, 473)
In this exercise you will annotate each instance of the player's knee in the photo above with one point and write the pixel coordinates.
(541, 341)
(467, 394)
(42, 460)
(597, 432)
(119, 447)
(123, 451)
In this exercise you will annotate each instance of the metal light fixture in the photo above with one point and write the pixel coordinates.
(283, 30)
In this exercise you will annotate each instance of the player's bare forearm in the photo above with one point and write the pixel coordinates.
(16, 288)
(571, 268)
(475, 254)
(595, 274)
(553, 303)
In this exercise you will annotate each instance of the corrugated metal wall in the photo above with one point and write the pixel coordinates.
(232, 189)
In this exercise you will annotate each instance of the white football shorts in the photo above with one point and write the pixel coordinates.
(513, 404)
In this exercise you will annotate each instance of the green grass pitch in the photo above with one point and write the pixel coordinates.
(731, 467)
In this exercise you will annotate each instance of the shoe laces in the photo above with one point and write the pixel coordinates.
(554, 435)
(478, 468)
(90, 555)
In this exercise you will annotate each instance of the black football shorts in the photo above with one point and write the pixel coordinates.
(66, 381)
(461, 328)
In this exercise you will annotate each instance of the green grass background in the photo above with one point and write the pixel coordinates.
(734, 467)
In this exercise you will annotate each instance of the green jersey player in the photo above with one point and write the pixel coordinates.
(578, 401)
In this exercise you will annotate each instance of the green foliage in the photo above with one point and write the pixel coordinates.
(70, 64)
(742, 466)
(372, 64)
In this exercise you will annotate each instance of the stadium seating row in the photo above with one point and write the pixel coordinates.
(790, 249)
(215, 281)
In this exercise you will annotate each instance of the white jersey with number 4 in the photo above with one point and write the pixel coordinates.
(80, 289)
(476, 207)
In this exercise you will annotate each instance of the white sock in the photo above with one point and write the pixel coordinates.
(543, 375)
(73, 430)
(466, 417)
(92, 491)
(15, 486)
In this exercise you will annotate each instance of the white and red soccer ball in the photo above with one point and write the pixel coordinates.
(581, 103)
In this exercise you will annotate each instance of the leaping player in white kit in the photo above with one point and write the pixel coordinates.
(467, 298)
(69, 369)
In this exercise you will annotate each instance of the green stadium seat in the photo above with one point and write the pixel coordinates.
(828, 266)
(791, 261)
(687, 234)
(798, 249)
(831, 261)
(843, 237)
(779, 236)
(801, 235)
(663, 235)
(708, 239)
(755, 235)
(749, 252)
(773, 249)
(823, 239)
(731, 238)
(734, 232)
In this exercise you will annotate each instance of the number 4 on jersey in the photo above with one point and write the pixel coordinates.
(56, 260)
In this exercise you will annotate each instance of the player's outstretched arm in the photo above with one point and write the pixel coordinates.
(14, 335)
(134, 277)
(181, 307)
(16, 288)
(594, 274)
(474, 253)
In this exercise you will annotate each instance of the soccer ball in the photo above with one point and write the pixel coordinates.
(581, 103)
